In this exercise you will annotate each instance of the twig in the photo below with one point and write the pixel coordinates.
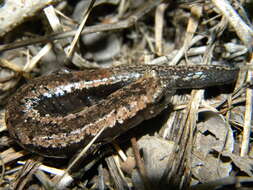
(196, 13)
(140, 165)
(80, 155)
(159, 24)
(131, 20)
(15, 12)
(248, 115)
(80, 28)
(244, 32)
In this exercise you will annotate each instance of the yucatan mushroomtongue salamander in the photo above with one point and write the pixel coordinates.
(60, 113)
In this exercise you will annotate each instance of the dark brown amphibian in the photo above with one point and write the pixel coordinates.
(57, 114)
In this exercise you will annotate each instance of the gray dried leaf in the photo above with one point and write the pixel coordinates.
(213, 134)
(244, 163)
(101, 46)
(156, 152)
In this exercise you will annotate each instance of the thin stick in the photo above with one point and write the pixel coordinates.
(140, 165)
(91, 29)
(244, 32)
(80, 28)
(80, 155)
(247, 117)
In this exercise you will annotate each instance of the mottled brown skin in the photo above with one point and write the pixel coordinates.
(58, 114)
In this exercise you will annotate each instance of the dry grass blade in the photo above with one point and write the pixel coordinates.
(180, 164)
(79, 156)
(130, 21)
(191, 29)
(159, 22)
(244, 31)
(118, 177)
(25, 175)
(80, 28)
(140, 165)
(15, 12)
(248, 116)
